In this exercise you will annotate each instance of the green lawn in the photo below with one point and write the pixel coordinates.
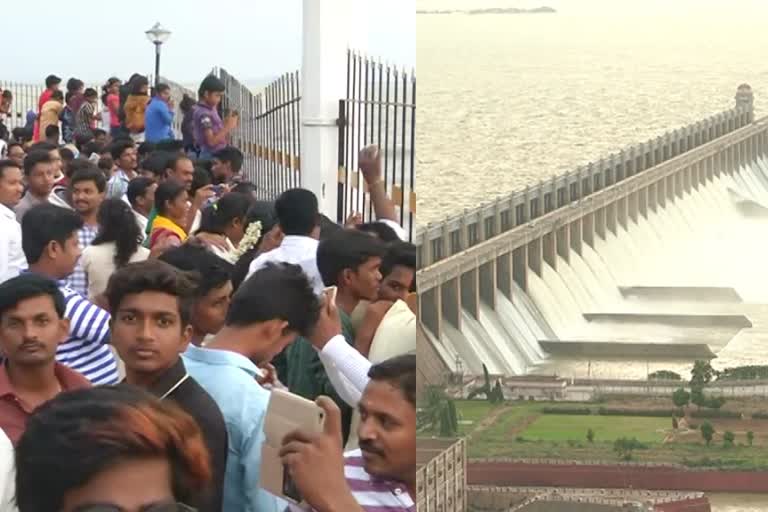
(557, 427)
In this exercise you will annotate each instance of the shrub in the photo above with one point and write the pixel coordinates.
(675, 424)
(648, 413)
(716, 413)
(750, 437)
(728, 438)
(520, 439)
(591, 435)
(664, 375)
(760, 416)
(707, 432)
(577, 411)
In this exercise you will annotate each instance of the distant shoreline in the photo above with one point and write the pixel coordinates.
(495, 10)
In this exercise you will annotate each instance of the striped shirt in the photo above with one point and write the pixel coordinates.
(87, 349)
(371, 493)
(78, 280)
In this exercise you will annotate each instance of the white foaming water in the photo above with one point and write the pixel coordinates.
(525, 331)
(578, 287)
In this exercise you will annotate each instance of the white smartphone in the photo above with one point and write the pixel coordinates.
(286, 412)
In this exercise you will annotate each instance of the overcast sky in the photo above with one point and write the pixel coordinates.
(252, 39)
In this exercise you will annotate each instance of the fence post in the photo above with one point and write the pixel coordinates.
(323, 84)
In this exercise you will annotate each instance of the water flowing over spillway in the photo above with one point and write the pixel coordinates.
(703, 254)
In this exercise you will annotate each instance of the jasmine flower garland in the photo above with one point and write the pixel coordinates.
(249, 241)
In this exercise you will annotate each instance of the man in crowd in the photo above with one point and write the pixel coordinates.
(49, 239)
(350, 261)
(87, 187)
(182, 169)
(299, 220)
(211, 294)
(150, 330)
(16, 153)
(53, 152)
(381, 475)
(141, 195)
(32, 325)
(52, 83)
(12, 260)
(158, 117)
(38, 169)
(210, 132)
(260, 323)
(125, 158)
(227, 163)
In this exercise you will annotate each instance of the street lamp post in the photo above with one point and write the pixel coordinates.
(157, 35)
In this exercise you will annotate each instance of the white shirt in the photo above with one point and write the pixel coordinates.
(296, 250)
(98, 262)
(12, 259)
(347, 369)
(7, 474)
(397, 228)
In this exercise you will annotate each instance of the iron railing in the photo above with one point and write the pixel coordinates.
(269, 132)
(380, 108)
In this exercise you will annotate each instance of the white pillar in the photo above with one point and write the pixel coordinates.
(323, 84)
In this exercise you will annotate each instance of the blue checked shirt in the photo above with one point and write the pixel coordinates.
(78, 280)
(117, 186)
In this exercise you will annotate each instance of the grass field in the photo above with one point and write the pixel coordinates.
(557, 427)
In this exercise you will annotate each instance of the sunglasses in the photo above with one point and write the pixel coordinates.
(160, 507)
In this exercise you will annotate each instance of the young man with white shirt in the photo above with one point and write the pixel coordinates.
(141, 196)
(39, 172)
(125, 156)
(299, 220)
(12, 260)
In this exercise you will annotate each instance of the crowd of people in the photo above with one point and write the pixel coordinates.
(151, 307)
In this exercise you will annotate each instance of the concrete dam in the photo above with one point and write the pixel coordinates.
(647, 259)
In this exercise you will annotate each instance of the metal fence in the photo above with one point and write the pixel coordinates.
(269, 132)
(380, 108)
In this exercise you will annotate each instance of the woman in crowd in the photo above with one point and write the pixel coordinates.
(111, 110)
(111, 449)
(267, 237)
(117, 244)
(135, 108)
(227, 219)
(172, 209)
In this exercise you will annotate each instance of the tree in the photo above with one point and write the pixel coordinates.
(438, 413)
(591, 435)
(728, 438)
(702, 373)
(698, 398)
(681, 397)
(625, 446)
(664, 375)
(675, 424)
(715, 402)
(707, 432)
(750, 437)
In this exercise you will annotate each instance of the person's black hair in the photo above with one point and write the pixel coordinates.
(328, 228)
(74, 85)
(118, 147)
(44, 145)
(256, 300)
(105, 88)
(67, 97)
(105, 164)
(22, 133)
(210, 272)
(211, 83)
(117, 224)
(187, 102)
(138, 83)
(46, 223)
(157, 162)
(7, 164)
(260, 211)
(169, 145)
(399, 371)
(51, 131)
(399, 254)
(161, 88)
(145, 148)
(51, 80)
(297, 212)
(167, 191)
(379, 229)
(348, 249)
(76, 436)
(81, 139)
(89, 173)
(245, 187)
(92, 147)
(66, 154)
(57, 95)
(29, 286)
(137, 187)
(200, 179)
(91, 93)
(35, 157)
(216, 217)
(153, 275)
(80, 165)
(98, 132)
(232, 155)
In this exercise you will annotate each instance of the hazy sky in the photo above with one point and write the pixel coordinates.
(252, 39)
